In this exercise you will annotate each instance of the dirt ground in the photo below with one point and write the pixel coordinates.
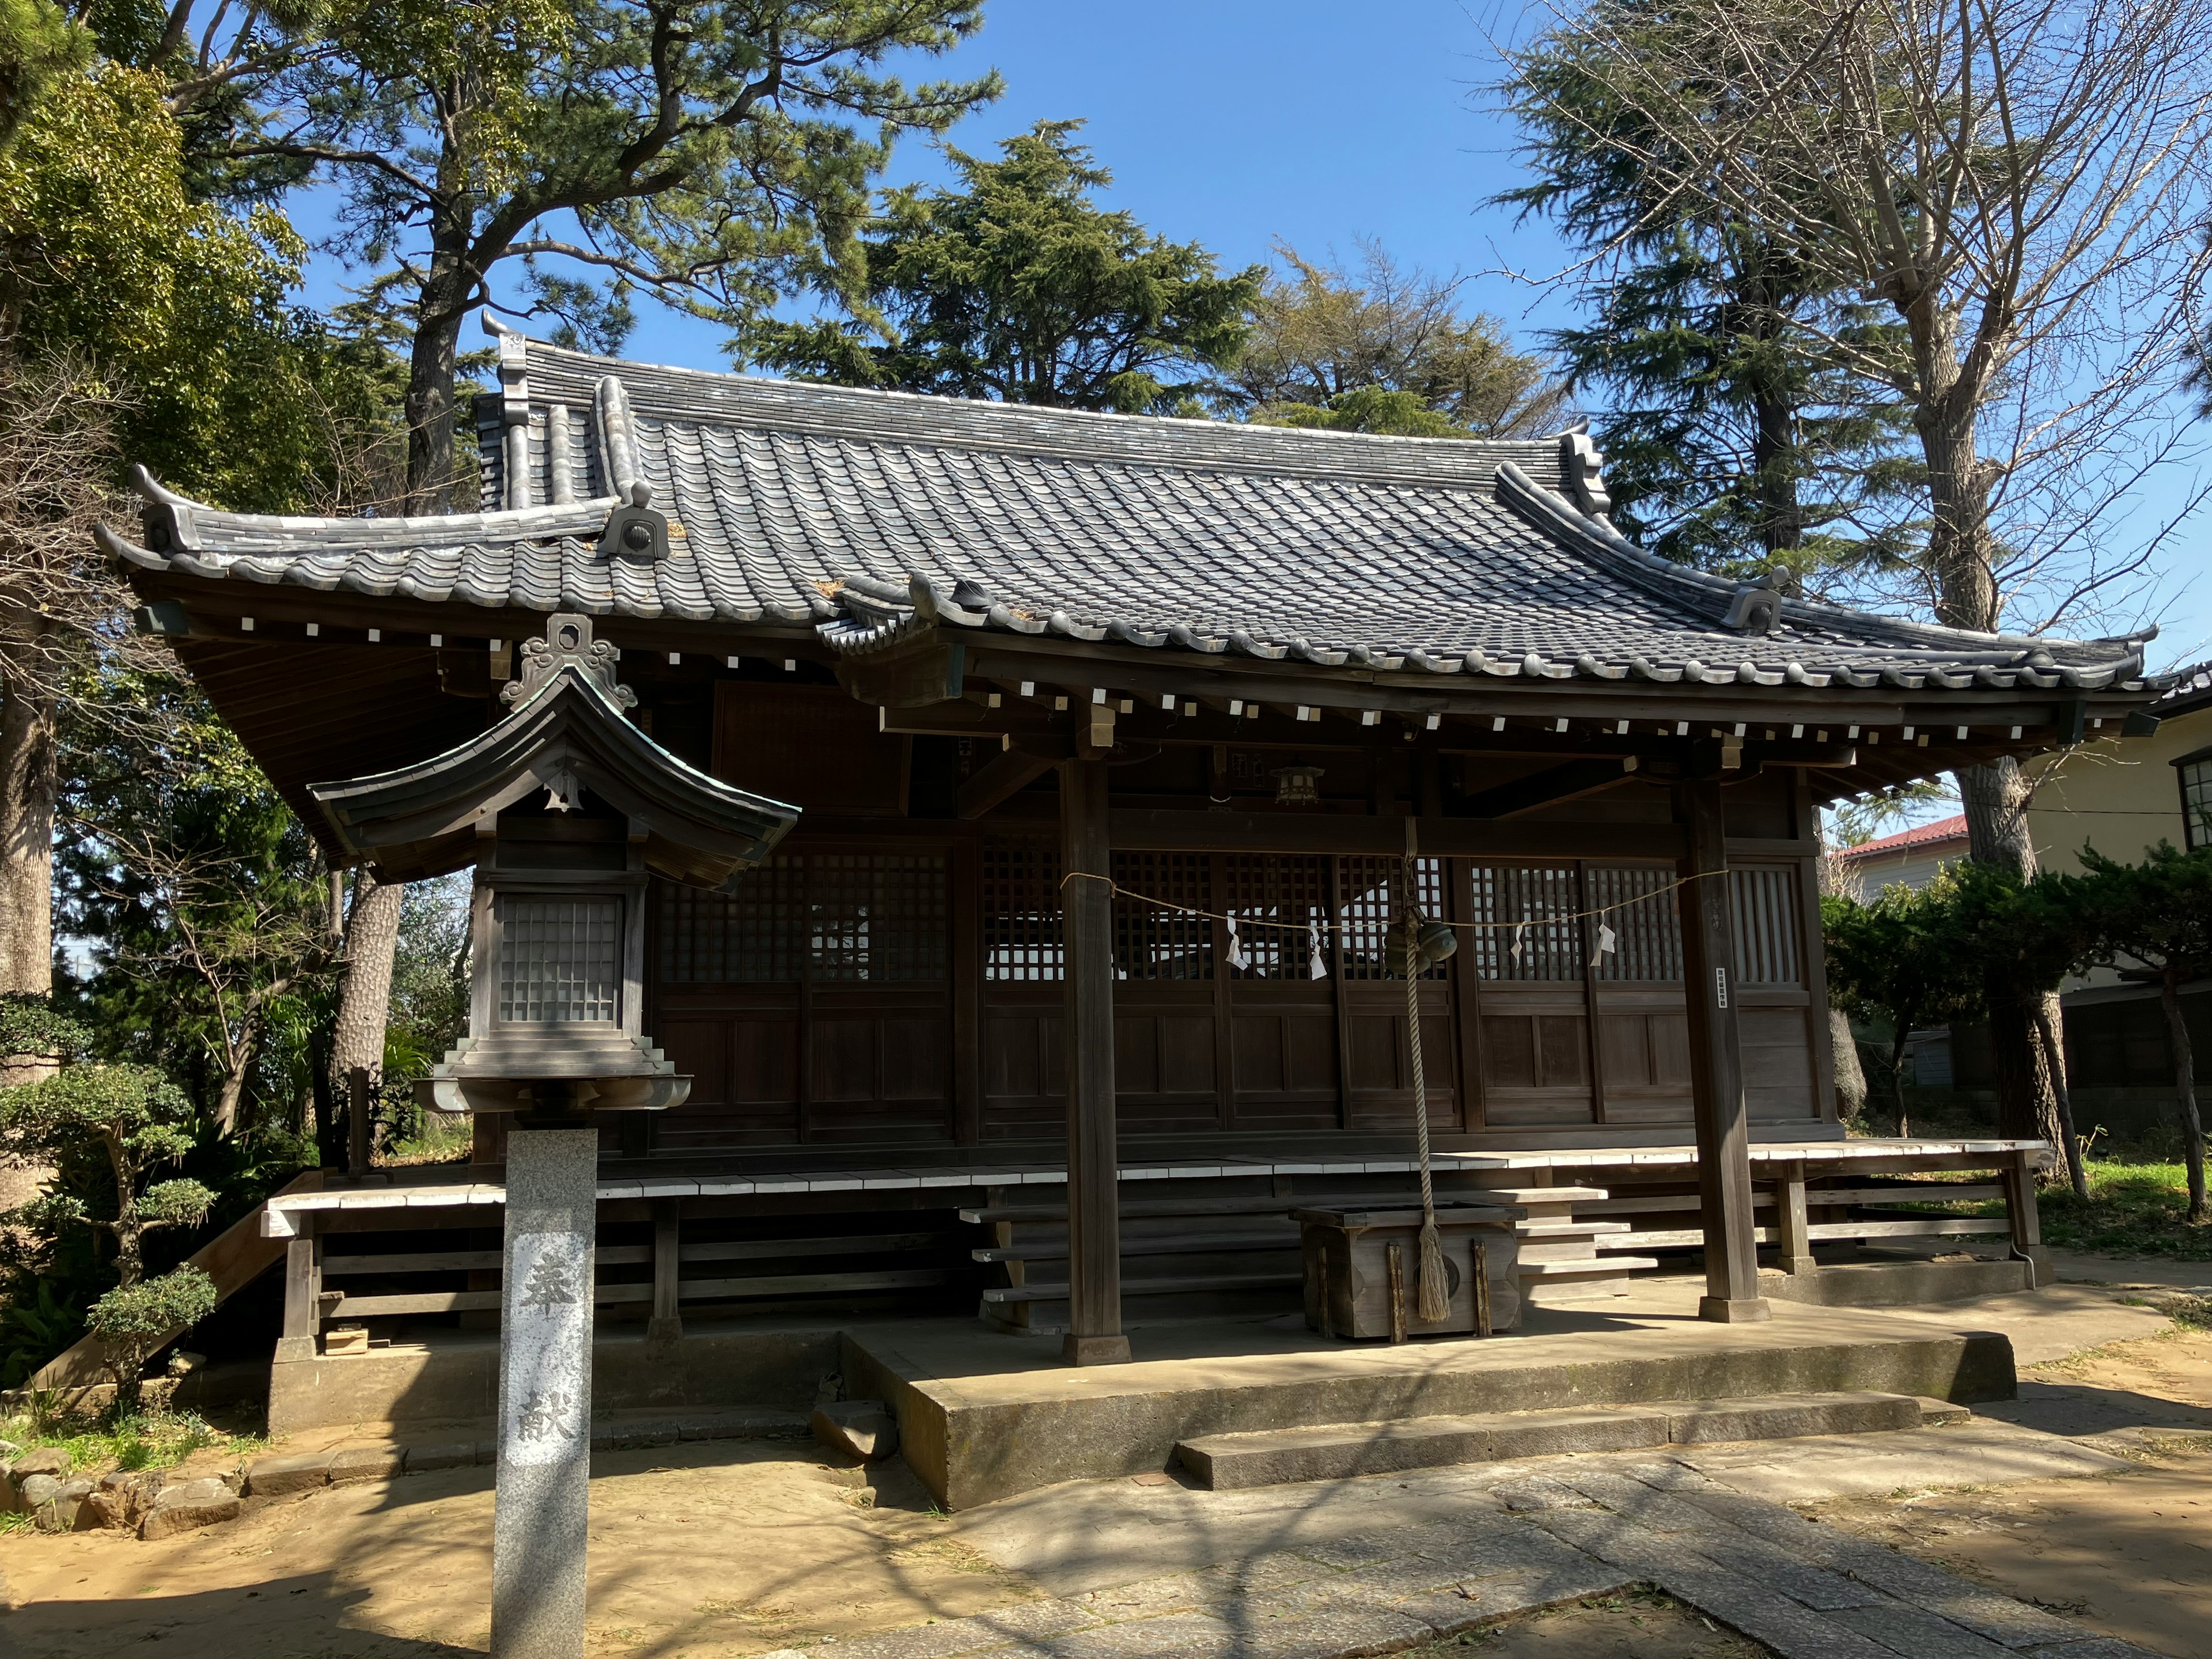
(705, 1549)
(1643, 1625)
(716, 1550)
(2128, 1554)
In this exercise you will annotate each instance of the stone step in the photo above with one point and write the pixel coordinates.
(1338, 1451)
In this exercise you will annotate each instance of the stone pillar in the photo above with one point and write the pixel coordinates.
(1094, 1214)
(1724, 1194)
(540, 1525)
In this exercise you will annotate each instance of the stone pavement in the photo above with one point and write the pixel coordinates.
(1531, 1540)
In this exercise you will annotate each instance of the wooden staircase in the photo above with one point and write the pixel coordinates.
(1198, 1256)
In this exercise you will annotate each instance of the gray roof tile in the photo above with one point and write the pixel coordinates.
(1324, 548)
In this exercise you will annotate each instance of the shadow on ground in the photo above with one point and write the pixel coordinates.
(295, 1618)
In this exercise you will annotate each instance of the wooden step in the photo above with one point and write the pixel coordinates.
(1342, 1450)
(1003, 1294)
(1565, 1229)
(1187, 1244)
(1197, 1208)
(1607, 1266)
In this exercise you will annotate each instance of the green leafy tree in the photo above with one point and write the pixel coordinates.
(706, 150)
(1017, 286)
(1383, 348)
(140, 1122)
(39, 42)
(206, 908)
(1735, 438)
(1896, 962)
(2021, 939)
(2152, 921)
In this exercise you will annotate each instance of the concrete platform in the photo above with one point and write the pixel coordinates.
(985, 1415)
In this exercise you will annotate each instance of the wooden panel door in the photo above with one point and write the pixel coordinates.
(1634, 936)
(740, 1047)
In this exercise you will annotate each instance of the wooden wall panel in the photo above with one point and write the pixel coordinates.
(881, 1065)
(1778, 1078)
(742, 1053)
(1025, 1068)
(1535, 1054)
(779, 741)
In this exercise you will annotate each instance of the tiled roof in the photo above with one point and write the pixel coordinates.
(1921, 836)
(871, 513)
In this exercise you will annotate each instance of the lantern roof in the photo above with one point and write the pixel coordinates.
(567, 732)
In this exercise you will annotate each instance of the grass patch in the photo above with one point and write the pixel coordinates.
(150, 1440)
(2134, 1209)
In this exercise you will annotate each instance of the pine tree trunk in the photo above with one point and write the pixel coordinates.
(1851, 1075)
(2184, 1086)
(2047, 1016)
(28, 785)
(365, 1001)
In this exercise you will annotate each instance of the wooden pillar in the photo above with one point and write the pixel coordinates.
(667, 1324)
(1716, 1062)
(303, 1289)
(357, 1142)
(1094, 1217)
(2026, 1220)
(1791, 1234)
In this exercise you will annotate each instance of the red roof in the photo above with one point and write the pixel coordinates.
(1940, 832)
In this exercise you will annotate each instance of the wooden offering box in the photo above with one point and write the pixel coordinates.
(1362, 1268)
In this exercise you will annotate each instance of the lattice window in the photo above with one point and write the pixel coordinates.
(749, 935)
(1151, 942)
(1764, 900)
(1533, 935)
(1647, 928)
(559, 959)
(1370, 906)
(2196, 801)
(876, 917)
(1021, 922)
(1276, 899)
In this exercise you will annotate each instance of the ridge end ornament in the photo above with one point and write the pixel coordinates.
(567, 644)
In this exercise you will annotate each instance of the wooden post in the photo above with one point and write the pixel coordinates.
(667, 1324)
(1716, 1062)
(357, 1123)
(1094, 1217)
(2026, 1220)
(303, 1285)
(1789, 1226)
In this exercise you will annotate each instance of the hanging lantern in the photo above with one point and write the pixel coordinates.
(1297, 786)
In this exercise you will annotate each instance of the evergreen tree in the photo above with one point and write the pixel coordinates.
(1733, 439)
(1017, 286)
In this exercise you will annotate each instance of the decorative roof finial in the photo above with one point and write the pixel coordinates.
(568, 643)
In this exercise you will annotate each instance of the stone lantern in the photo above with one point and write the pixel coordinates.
(567, 810)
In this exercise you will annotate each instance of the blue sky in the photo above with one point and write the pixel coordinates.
(1233, 123)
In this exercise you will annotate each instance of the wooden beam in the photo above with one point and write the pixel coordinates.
(1547, 787)
(1094, 1221)
(666, 1323)
(1789, 1221)
(2025, 1221)
(1724, 1195)
(303, 1285)
(1162, 830)
(1012, 771)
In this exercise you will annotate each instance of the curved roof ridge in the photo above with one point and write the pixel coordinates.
(1602, 542)
(189, 523)
(718, 397)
